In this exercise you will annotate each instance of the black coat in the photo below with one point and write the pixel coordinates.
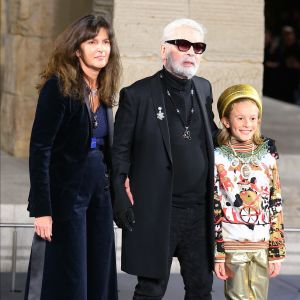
(142, 150)
(60, 140)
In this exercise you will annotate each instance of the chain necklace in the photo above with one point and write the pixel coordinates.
(246, 162)
(186, 123)
(93, 94)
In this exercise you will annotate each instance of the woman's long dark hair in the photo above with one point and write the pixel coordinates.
(64, 64)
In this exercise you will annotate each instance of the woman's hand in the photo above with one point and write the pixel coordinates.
(220, 271)
(274, 269)
(43, 227)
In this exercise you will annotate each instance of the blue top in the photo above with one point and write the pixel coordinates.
(101, 131)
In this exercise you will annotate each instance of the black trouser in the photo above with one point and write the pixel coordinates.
(189, 243)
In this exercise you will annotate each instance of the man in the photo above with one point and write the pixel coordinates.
(163, 144)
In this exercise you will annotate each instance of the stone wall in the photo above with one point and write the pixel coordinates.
(234, 40)
(234, 53)
(104, 8)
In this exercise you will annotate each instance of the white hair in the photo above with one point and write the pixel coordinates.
(172, 26)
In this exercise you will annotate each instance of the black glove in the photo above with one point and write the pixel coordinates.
(125, 219)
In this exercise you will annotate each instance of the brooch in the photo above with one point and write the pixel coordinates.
(160, 115)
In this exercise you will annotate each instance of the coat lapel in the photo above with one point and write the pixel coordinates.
(87, 106)
(158, 102)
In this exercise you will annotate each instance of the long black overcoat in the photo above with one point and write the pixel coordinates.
(60, 139)
(142, 151)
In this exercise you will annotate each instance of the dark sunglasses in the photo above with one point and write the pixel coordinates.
(184, 45)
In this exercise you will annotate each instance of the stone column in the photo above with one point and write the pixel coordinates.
(29, 28)
(2, 39)
(28, 37)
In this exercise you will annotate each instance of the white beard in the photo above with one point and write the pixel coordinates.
(177, 69)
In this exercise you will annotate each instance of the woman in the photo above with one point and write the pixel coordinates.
(73, 255)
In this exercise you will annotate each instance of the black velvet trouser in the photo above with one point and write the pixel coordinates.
(79, 262)
(189, 243)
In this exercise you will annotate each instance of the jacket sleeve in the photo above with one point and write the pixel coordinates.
(218, 217)
(121, 151)
(276, 243)
(48, 118)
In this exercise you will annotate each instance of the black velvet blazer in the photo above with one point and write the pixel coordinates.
(60, 140)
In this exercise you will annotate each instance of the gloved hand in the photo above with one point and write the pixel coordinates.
(125, 219)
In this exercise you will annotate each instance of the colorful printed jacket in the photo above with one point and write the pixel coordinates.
(248, 211)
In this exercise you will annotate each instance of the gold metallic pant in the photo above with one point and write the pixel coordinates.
(248, 275)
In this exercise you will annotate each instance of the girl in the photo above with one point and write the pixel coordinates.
(249, 244)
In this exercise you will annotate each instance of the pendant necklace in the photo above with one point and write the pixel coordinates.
(246, 162)
(93, 93)
(186, 123)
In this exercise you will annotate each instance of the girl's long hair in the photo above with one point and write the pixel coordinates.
(224, 135)
(64, 64)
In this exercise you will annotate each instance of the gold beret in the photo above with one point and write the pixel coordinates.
(236, 92)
